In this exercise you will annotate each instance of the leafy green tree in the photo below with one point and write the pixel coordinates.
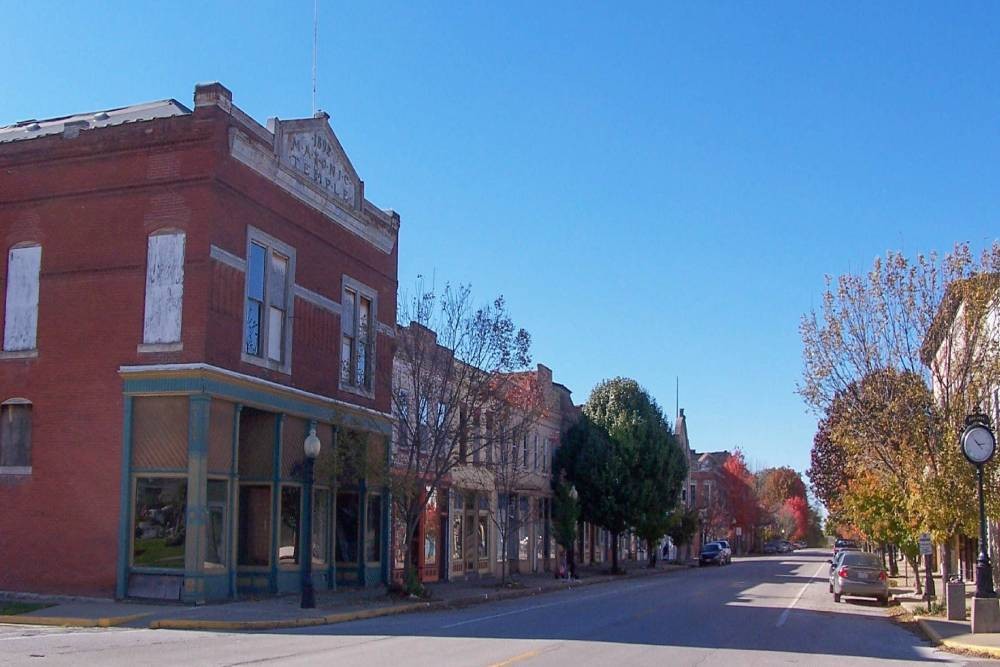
(646, 468)
(682, 527)
(565, 516)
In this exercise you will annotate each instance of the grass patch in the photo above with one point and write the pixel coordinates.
(14, 608)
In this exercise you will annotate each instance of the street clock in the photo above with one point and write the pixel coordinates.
(978, 443)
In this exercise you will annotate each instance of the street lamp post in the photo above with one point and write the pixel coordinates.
(311, 447)
(979, 445)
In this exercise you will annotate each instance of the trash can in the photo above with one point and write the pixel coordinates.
(955, 599)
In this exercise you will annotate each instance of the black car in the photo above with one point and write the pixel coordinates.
(712, 553)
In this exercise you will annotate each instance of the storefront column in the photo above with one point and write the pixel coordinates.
(234, 503)
(272, 584)
(362, 531)
(387, 530)
(199, 408)
(125, 500)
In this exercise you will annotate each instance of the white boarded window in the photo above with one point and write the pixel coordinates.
(164, 288)
(21, 314)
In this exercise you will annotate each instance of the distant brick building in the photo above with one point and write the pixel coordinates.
(185, 293)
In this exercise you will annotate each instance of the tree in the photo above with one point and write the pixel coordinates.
(454, 362)
(736, 487)
(646, 468)
(565, 516)
(907, 323)
(778, 485)
(590, 461)
(828, 472)
(682, 527)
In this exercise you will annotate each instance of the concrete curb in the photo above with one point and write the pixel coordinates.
(991, 651)
(72, 622)
(362, 614)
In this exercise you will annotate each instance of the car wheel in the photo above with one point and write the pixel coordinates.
(831, 588)
(883, 601)
(836, 597)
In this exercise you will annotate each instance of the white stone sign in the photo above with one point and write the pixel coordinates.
(312, 154)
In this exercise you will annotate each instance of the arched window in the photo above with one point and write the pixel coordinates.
(15, 437)
(164, 288)
(20, 322)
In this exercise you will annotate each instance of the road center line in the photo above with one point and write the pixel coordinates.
(788, 609)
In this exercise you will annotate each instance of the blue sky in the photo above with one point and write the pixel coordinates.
(657, 189)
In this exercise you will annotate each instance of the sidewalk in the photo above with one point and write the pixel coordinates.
(348, 604)
(950, 634)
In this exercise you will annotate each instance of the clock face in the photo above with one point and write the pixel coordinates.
(978, 444)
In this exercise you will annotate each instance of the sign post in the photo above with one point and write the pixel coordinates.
(927, 551)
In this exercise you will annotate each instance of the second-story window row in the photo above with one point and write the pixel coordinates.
(268, 292)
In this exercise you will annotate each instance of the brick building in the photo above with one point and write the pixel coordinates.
(186, 293)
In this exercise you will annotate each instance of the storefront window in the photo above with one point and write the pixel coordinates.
(254, 546)
(215, 549)
(291, 515)
(430, 543)
(373, 529)
(320, 524)
(456, 538)
(483, 532)
(347, 528)
(160, 505)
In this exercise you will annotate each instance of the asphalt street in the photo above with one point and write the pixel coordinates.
(758, 611)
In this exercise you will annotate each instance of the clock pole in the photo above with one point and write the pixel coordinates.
(984, 572)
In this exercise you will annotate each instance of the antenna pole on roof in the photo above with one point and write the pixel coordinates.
(315, 42)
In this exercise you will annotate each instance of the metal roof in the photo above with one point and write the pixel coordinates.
(31, 129)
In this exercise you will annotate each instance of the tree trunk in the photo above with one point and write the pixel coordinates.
(946, 550)
(570, 563)
(914, 563)
(893, 564)
(652, 553)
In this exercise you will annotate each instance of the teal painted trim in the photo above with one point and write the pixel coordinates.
(279, 421)
(199, 415)
(234, 491)
(331, 555)
(146, 471)
(362, 529)
(387, 518)
(240, 393)
(217, 587)
(175, 571)
(125, 503)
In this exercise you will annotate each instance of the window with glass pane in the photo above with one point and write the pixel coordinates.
(254, 544)
(347, 528)
(320, 525)
(456, 537)
(291, 515)
(347, 343)
(483, 532)
(373, 529)
(159, 528)
(15, 437)
(277, 306)
(256, 263)
(215, 548)
(361, 375)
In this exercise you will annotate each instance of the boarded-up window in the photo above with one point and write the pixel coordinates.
(164, 288)
(21, 315)
(15, 436)
(160, 433)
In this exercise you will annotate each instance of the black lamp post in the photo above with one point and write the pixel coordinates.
(979, 445)
(311, 447)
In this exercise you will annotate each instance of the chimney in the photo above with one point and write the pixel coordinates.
(213, 94)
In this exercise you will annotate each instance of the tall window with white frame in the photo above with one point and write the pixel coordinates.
(357, 315)
(20, 324)
(266, 333)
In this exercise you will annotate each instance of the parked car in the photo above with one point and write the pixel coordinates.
(834, 565)
(727, 550)
(841, 544)
(712, 554)
(771, 547)
(860, 575)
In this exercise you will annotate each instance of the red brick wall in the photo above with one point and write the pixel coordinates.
(91, 202)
